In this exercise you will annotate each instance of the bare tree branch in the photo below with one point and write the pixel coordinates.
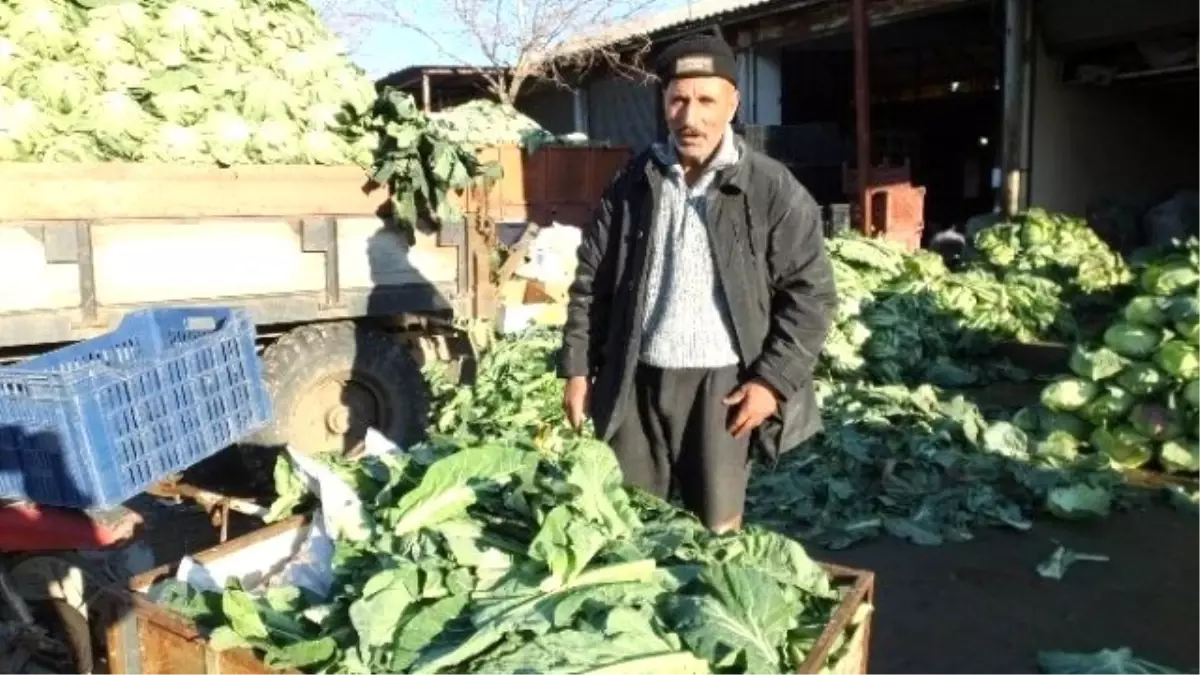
(351, 28)
(520, 41)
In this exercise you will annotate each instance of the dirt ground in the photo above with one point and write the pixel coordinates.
(980, 606)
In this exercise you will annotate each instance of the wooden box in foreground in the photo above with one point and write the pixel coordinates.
(144, 637)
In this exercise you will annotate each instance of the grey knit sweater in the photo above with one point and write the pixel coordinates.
(686, 323)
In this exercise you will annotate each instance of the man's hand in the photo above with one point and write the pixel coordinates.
(575, 400)
(755, 402)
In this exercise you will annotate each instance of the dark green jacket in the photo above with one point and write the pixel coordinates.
(770, 259)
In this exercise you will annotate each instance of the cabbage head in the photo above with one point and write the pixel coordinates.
(118, 123)
(1178, 358)
(175, 144)
(1147, 310)
(46, 27)
(1191, 393)
(1183, 308)
(1143, 379)
(1069, 394)
(1189, 331)
(1180, 455)
(1123, 446)
(1096, 364)
(1112, 404)
(1132, 340)
(226, 135)
(1156, 422)
(1170, 277)
(1058, 445)
(1040, 420)
(1055, 422)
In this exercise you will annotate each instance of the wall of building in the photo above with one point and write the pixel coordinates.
(622, 111)
(1134, 144)
(761, 84)
(553, 108)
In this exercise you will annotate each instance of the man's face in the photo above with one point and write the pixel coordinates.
(698, 110)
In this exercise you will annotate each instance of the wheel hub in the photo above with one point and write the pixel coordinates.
(334, 415)
(337, 420)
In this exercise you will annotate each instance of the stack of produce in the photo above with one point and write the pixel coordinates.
(910, 462)
(217, 82)
(482, 123)
(517, 394)
(921, 466)
(500, 558)
(194, 82)
(906, 318)
(1055, 246)
(1134, 398)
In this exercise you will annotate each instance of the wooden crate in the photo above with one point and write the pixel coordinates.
(855, 658)
(143, 637)
(553, 184)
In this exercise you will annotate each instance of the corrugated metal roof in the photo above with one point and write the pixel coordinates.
(692, 12)
(700, 10)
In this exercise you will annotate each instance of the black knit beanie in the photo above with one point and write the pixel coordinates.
(697, 56)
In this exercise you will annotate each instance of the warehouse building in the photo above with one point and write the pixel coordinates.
(1112, 103)
(1083, 106)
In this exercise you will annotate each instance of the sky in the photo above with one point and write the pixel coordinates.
(387, 48)
(384, 47)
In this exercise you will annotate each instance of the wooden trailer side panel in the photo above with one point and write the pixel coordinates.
(81, 245)
(289, 244)
(71, 280)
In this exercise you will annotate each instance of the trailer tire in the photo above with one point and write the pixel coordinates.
(75, 631)
(328, 383)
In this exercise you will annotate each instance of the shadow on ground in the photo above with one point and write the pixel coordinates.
(980, 606)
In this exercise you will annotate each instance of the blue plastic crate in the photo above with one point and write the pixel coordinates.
(95, 423)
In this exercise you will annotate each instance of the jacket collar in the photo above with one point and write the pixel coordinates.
(728, 162)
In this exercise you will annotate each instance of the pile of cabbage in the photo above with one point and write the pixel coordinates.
(1134, 396)
(1054, 246)
(904, 318)
(483, 123)
(177, 81)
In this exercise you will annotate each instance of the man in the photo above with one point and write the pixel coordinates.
(701, 301)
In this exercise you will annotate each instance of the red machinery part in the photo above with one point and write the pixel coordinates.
(29, 527)
(898, 213)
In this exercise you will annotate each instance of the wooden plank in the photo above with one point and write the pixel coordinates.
(117, 190)
(169, 644)
(861, 591)
(29, 280)
(103, 191)
(148, 578)
(151, 260)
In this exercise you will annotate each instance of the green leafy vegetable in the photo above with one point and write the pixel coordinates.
(1141, 387)
(1069, 394)
(214, 82)
(1056, 566)
(498, 557)
(1111, 661)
